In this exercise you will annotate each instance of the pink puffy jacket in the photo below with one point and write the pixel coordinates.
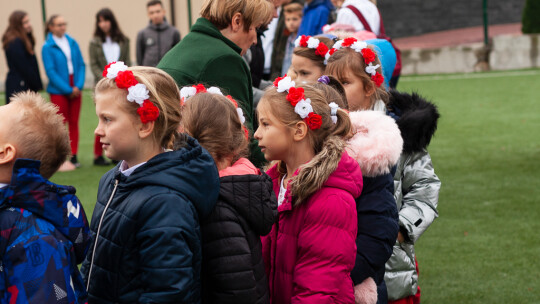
(311, 250)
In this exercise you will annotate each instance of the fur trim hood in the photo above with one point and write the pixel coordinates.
(416, 118)
(377, 142)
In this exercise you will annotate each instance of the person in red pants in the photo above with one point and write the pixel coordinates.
(65, 69)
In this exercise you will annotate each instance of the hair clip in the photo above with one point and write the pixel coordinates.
(324, 79)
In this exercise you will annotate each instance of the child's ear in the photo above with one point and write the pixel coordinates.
(7, 153)
(300, 131)
(146, 129)
(369, 89)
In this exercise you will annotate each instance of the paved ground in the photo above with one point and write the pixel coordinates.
(456, 37)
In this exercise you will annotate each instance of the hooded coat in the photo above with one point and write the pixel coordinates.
(416, 188)
(376, 147)
(44, 235)
(154, 41)
(146, 244)
(233, 268)
(311, 250)
(316, 15)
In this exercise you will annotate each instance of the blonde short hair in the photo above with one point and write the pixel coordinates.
(40, 133)
(254, 12)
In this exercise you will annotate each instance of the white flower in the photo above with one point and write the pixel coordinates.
(333, 111)
(285, 84)
(303, 108)
(138, 93)
(214, 90)
(313, 43)
(337, 45)
(187, 92)
(297, 41)
(326, 28)
(116, 67)
(358, 46)
(372, 69)
(241, 115)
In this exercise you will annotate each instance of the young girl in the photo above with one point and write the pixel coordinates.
(376, 145)
(233, 268)
(310, 251)
(309, 58)
(416, 186)
(146, 246)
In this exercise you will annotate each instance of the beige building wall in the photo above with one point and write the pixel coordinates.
(80, 18)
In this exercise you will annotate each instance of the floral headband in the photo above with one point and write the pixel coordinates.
(187, 92)
(302, 106)
(137, 92)
(368, 55)
(313, 43)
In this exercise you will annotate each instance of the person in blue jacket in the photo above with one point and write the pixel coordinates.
(316, 15)
(146, 244)
(18, 42)
(65, 68)
(44, 232)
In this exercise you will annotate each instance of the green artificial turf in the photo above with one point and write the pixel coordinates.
(484, 247)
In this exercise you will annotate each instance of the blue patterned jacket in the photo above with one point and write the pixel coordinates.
(44, 234)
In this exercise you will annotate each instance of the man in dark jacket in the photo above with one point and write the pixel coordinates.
(157, 38)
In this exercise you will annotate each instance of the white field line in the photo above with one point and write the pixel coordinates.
(470, 76)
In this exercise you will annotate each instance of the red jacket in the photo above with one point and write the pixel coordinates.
(311, 250)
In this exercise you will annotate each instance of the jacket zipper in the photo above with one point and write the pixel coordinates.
(97, 234)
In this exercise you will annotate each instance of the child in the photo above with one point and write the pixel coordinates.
(233, 268)
(310, 251)
(293, 17)
(146, 246)
(416, 186)
(316, 15)
(376, 145)
(309, 58)
(44, 231)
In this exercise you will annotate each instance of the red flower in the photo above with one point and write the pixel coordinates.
(278, 80)
(321, 50)
(125, 79)
(348, 41)
(378, 79)
(303, 40)
(314, 121)
(148, 112)
(332, 51)
(200, 88)
(106, 68)
(232, 100)
(369, 55)
(295, 95)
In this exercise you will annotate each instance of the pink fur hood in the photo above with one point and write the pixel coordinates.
(377, 142)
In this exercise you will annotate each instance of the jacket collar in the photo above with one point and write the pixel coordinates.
(204, 26)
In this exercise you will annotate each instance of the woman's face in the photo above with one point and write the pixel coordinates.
(305, 71)
(246, 39)
(104, 25)
(26, 24)
(58, 26)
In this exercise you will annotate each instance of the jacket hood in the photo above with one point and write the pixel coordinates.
(331, 167)
(377, 143)
(159, 27)
(316, 3)
(56, 204)
(253, 198)
(189, 170)
(416, 118)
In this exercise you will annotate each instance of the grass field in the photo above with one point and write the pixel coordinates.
(484, 247)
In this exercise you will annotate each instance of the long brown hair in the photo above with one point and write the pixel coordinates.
(115, 32)
(15, 30)
(212, 120)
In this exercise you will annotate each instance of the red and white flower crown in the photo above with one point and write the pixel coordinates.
(137, 92)
(302, 106)
(367, 53)
(187, 92)
(313, 43)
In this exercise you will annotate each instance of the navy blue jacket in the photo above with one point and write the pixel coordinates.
(43, 236)
(148, 243)
(56, 67)
(315, 17)
(23, 69)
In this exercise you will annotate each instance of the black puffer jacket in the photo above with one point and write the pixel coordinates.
(148, 245)
(233, 268)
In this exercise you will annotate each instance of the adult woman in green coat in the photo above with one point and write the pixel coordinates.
(108, 44)
(211, 53)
